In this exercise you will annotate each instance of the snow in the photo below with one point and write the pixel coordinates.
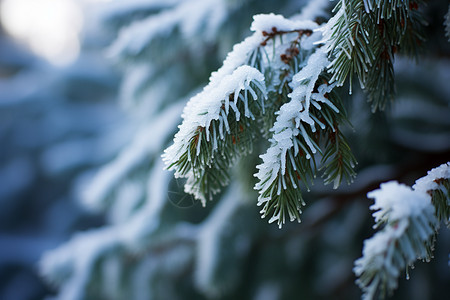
(376, 247)
(68, 155)
(206, 106)
(409, 221)
(129, 195)
(266, 22)
(135, 37)
(147, 219)
(301, 92)
(241, 51)
(428, 183)
(290, 120)
(140, 278)
(75, 260)
(329, 27)
(237, 57)
(394, 201)
(234, 76)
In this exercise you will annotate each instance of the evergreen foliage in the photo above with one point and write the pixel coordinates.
(437, 184)
(408, 224)
(293, 70)
(409, 220)
(363, 38)
(212, 137)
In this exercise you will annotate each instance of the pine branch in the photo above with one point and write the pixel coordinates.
(203, 153)
(290, 156)
(279, 74)
(409, 219)
(296, 140)
(338, 160)
(348, 43)
(437, 184)
(441, 200)
(409, 225)
(363, 37)
(217, 128)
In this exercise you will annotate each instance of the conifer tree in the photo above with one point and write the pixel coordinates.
(287, 106)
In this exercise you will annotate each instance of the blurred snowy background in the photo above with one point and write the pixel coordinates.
(74, 139)
(58, 121)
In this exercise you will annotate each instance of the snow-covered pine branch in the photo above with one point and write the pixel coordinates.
(217, 128)
(295, 141)
(211, 137)
(292, 72)
(409, 226)
(285, 148)
(409, 219)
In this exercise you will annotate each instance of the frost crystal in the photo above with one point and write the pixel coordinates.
(301, 92)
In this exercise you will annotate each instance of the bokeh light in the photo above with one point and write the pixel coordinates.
(50, 28)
